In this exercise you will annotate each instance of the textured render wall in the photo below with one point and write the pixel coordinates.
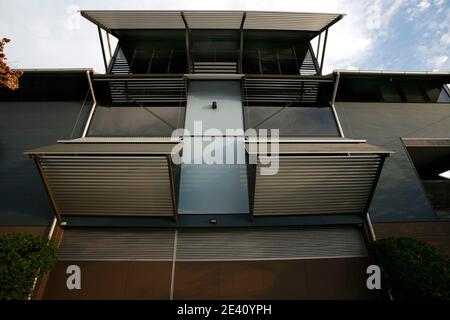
(27, 125)
(399, 195)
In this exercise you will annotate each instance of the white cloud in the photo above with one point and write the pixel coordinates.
(445, 39)
(354, 38)
(424, 5)
(437, 61)
(42, 38)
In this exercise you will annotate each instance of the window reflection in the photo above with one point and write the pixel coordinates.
(136, 121)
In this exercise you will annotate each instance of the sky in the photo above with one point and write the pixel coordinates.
(407, 35)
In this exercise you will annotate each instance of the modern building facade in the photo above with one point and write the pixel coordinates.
(214, 159)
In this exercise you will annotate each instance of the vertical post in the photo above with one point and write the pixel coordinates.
(278, 62)
(109, 45)
(336, 85)
(188, 41)
(172, 188)
(323, 51)
(371, 230)
(94, 104)
(318, 46)
(241, 43)
(170, 61)
(103, 48)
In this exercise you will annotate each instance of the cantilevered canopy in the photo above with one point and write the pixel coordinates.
(300, 21)
(112, 179)
(314, 178)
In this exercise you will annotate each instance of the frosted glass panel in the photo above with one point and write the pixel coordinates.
(221, 187)
(227, 95)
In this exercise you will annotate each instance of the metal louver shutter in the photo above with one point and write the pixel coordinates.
(316, 185)
(276, 90)
(117, 244)
(302, 178)
(109, 185)
(267, 244)
(108, 179)
(212, 244)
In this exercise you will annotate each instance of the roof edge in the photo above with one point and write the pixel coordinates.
(391, 72)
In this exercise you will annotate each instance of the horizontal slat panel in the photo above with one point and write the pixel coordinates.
(303, 21)
(279, 90)
(112, 186)
(120, 65)
(212, 244)
(214, 67)
(146, 89)
(116, 244)
(214, 19)
(290, 243)
(322, 185)
(136, 19)
(308, 66)
(141, 19)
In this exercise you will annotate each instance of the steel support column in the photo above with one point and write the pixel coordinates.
(103, 48)
(241, 44)
(323, 51)
(188, 41)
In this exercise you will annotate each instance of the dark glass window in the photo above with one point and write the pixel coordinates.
(214, 51)
(295, 121)
(273, 57)
(413, 92)
(136, 121)
(432, 162)
(158, 60)
(384, 89)
(151, 51)
(390, 93)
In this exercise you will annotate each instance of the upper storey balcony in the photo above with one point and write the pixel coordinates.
(214, 42)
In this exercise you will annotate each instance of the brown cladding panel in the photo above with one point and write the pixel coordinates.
(337, 279)
(278, 279)
(197, 280)
(112, 280)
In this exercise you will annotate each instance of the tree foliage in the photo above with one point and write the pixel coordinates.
(23, 257)
(415, 270)
(9, 78)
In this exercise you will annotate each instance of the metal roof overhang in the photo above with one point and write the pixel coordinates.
(314, 178)
(108, 179)
(247, 20)
(441, 76)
